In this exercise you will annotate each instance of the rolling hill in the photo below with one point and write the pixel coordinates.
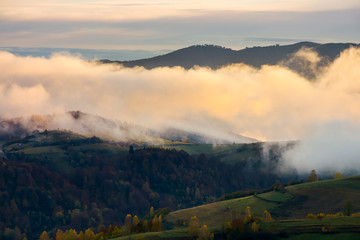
(295, 202)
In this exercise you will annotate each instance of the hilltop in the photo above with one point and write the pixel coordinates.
(216, 56)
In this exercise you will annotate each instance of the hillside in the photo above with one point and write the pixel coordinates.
(216, 56)
(60, 179)
(115, 130)
(295, 202)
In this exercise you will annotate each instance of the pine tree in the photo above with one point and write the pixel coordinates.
(313, 176)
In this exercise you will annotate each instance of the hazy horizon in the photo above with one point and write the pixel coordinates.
(158, 25)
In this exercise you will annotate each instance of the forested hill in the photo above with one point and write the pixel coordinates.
(216, 56)
(58, 179)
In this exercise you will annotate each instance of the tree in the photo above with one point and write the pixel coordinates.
(44, 236)
(348, 208)
(267, 216)
(313, 176)
(193, 226)
(131, 149)
(135, 223)
(254, 227)
(338, 175)
(160, 223)
(204, 233)
(89, 234)
(128, 223)
(60, 235)
(71, 234)
(152, 211)
(247, 214)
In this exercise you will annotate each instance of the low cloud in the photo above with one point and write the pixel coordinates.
(271, 104)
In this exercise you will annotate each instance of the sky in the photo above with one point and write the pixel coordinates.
(168, 24)
(271, 103)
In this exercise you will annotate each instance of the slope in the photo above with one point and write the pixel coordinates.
(297, 201)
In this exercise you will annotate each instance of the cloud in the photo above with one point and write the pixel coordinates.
(333, 146)
(271, 103)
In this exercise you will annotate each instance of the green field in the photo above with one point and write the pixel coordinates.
(216, 214)
(296, 202)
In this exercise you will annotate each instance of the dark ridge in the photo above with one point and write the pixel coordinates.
(216, 56)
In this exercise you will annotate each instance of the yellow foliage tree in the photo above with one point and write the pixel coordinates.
(267, 216)
(155, 224)
(135, 221)
(204, 233)
(248, 214)
(254, 227)
(160, 223)
(193, 226)
(89, 234)
(60, 235)
(152, 212)
(44, 236)
(71, 234)
(128, 223)
(338, 175)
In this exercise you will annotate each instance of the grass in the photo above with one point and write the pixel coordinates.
(215, 214)
(347, 183)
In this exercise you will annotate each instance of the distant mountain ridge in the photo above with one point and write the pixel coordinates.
(215, 56)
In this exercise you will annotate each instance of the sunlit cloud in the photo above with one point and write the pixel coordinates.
(271, 103)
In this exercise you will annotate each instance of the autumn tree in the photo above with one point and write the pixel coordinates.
(193, 226)
(254, 227)
(128, 223)
(338, 175)
(135, 223)
(204, 233)
(313, 176)
(44, 236)
(60, 235)
(267, 216)
(248, 216)
(71, 235)
(89, 234)
(160, 223)
(156, 224)
(152, 213)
